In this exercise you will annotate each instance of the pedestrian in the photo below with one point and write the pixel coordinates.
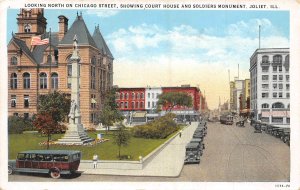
(95, 160)
(180, 132)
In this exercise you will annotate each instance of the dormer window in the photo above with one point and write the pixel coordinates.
(14, 60)
(27, 28)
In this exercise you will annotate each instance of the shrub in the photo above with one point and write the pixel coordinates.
(16, 125)
(157, 129)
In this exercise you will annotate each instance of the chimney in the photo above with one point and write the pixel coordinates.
(63, 26)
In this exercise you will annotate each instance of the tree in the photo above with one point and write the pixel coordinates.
(172, 99)
(110, 113)
(121, 138)
(56, 103)
(16, 125)
(47, 125)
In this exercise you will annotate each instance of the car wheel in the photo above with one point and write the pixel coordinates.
(55, 173)
(10, 170)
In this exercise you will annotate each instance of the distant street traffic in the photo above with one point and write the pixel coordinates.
(232, 154)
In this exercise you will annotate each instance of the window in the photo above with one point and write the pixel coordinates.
(26, 80)
(26, 116)
(275, 77)
(152, 95)
(14, 60)
(93, 118)
(69, 70)
(13, 101)
(280, 86)
(137, 95)
(93, 61)
(43, 81)
(274, 86)
(280, 95)
(287, 120)
(26, 101)
(126, 104)
(277, 59)
(265, 59)
(122, 105)
(93, 101)
(153, 104)
(265, 68)
(27, 28)
(54, 81)
(287, 95)
(265, 95)
(126, 96)
(265, 105)
(274, 94)
(132, 95)
(265, 86)
(122, 96)
(287, 77)
(265, 77)
(287, 86)
(274, 68)
(142, 105)
(132, 105)
(142, 95)
(280, 77)
(13, 81)
(148, 104)
(148, 95)
(277, 105)
(277, 119)
(137, 105)
(93, 77)
(280, 68)
(117, 95)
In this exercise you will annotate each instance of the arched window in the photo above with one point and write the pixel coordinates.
(126, 96)
(27, 28)
(122, 105)
(133, 95)
(277, 59)
(26, 80)
(265, 59)
(287, 59)
(13, 81)
(265, 105)
(122, 95)
(277, 105)
(43, 81)
(54, 81)
(14, 60)
(132, 105)
(142, 95)
(288, 106)
(137, 95)
(137, 105)
(142, 105)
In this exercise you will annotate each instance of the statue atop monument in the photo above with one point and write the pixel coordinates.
(72, 110)
(75, 43)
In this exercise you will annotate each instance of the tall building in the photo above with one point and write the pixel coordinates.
(270, 85)
(39, 69)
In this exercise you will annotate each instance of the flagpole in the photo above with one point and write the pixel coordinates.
(50, 87)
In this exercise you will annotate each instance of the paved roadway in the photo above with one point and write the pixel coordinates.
(232, 154)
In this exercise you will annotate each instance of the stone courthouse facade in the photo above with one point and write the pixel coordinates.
(40, 69)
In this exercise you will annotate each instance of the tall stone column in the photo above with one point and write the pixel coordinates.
(75, 133)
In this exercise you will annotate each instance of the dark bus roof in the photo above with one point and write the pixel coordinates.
(68, 152)
(192, 145)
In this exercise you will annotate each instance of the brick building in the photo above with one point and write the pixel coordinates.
(40, 69)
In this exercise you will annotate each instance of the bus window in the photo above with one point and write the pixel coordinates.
(21, 156)
(60, 158)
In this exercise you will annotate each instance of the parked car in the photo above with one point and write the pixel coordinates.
(53, 162)
(192, 153)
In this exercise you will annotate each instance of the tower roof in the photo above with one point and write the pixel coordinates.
(100, 42)
(79, 29)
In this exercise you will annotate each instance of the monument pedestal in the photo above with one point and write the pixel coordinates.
(75, 135)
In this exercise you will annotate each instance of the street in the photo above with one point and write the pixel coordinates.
(232, 154)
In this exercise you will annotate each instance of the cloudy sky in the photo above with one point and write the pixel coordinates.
(170, 48)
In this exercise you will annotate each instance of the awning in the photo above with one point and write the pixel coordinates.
(139, 114)
(275, 113)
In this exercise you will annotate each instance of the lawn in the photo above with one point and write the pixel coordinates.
(105, 151)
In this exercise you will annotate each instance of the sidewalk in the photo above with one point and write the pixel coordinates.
(168, 162)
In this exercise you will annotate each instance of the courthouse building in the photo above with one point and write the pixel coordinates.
(270, 85)
(43, 67)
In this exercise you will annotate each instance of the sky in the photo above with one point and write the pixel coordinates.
(174, 47)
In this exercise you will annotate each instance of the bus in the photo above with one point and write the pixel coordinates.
(226, 119)
(52, 162)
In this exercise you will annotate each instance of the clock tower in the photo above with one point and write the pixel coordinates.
(31, 22)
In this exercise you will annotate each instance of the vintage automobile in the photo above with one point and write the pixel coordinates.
(286, 137)
(53, 162)
(200, 142)
(192, 153)
(226, 119)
